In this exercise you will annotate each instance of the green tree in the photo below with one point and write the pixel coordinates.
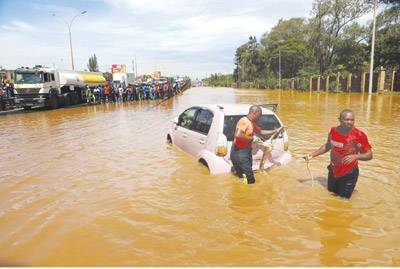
(289, 39)
(352, 48)
(330, 17)
(387, 49)
(92, 64)
(249, 61)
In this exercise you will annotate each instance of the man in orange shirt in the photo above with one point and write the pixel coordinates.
(241, 156)
(106, 93)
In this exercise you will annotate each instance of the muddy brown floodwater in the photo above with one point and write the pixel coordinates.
(98, 185)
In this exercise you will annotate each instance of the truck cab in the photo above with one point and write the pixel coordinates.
(32, 86)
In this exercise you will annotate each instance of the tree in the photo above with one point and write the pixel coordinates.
(352, 48)
(92, 64)
(387, 49)
(289, 38)
(328, 24)
(249, 61)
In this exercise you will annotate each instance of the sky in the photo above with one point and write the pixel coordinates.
(176, 37)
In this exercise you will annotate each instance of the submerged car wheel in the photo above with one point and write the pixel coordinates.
(203, 162)
(169, 140)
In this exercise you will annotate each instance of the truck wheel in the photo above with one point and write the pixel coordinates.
(67, 99)
(74, 98)
(53, 101)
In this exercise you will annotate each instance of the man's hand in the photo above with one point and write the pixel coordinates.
(349, 159)
(256, 139)
(307, 157)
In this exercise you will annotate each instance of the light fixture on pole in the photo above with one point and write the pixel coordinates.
(371, 64)
(279, 63)
(69, 24)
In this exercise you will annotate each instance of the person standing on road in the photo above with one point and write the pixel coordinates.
(2, 95)
(106, 93)
(348, 145)
(120, 93)
(10, 90)
(241, 155)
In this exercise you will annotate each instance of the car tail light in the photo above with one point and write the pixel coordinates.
(286, 146)
(285, 141)
(222, 146)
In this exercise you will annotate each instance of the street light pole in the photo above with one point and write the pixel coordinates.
(70, 46)
(280, 76)
(371, 65)
(70, 35)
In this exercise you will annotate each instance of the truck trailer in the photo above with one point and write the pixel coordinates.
(43, 86)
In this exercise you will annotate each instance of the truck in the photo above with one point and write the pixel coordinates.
(123, 78)
(49, 87)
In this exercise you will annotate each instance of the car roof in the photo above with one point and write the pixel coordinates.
(234, 109)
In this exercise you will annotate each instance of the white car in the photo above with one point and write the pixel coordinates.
(207, 131)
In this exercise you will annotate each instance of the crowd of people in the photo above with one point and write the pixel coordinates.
(6, 93)
(130, 92)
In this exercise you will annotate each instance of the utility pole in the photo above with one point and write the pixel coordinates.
(69, 24)
(280, 76)
(135, 68)
(371, 64)
(239, 74)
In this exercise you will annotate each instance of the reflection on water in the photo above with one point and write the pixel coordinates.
(336, 235)
(98, 185)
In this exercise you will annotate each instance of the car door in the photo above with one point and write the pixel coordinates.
(197, 135)
(183, 126)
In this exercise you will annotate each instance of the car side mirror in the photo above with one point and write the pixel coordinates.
(176, 120)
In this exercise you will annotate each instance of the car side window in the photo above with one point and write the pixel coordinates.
(186, 119)
(203, 121)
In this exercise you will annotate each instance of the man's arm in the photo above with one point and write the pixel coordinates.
(268, 132)
(323, 149)
(240, 134)
(366, 156)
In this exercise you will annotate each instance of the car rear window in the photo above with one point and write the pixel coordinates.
(266, 122)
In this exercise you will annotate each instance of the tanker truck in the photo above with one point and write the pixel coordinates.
(49, 87)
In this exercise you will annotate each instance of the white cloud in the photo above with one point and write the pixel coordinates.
(19, 26)
(196, 37)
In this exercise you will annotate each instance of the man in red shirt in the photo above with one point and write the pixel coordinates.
(348, 145)
(241, 156)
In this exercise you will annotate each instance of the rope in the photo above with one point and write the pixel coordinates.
(309, 171)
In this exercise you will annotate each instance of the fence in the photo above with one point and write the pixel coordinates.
(381, 82)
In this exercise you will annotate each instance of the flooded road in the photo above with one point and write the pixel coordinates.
(99, 186)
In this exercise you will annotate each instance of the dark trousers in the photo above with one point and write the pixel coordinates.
(343, 186)
(242, 161)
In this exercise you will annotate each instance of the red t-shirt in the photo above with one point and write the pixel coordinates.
(248, 128)
(343, 145)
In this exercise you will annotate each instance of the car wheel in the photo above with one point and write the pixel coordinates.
(203, 162)
(169, 140)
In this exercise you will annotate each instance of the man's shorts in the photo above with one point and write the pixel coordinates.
(242, 160)
(343, 186)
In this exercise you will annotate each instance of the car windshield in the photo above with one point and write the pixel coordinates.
(21, 78)
(266, 122)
